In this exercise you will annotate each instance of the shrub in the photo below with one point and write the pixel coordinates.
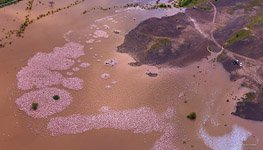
(249, 96)
(162, 5)
(238, 36)
(221, 57)
(34, 106)
(160, 43)
(56, 97)
(184, 3)
(5, 1)
(254, 21)
(192, 116)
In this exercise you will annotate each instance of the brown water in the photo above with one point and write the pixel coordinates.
(203, 89)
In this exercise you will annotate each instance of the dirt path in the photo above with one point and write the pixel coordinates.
(230, 52)
(246, 69)
(215, 12)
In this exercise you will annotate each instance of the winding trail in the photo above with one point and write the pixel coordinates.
(232, 54)
(197, 27)
(250, 71)
(212, 31)
(215, 12)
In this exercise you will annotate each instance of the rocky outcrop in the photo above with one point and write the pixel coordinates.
(166, 41)
(177, 41)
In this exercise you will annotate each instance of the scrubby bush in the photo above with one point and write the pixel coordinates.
(34, 106)
(56, 97)
(249, 96)
(192, 116)
(238, 36)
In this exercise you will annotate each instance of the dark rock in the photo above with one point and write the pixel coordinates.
(151, 74)
(135, 64)
(251, 110)
(155, 42)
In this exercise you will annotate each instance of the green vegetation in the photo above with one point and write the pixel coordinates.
(29, 5)
(160, 43)
(159, 48)
(23, 27)
(205, 7)
(56, 97)
(162, 5)
(221, 57)
(238, 36)
(191, 116)
(190, 3)
(5, 1)
(183, 3)
(247, 85)
(244, 84)
(209, 48)
(249, 6)
(187, 3)
(249, 96)
(34, 106)
(255, 20)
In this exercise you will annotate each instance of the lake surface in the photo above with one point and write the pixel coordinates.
(203, 87)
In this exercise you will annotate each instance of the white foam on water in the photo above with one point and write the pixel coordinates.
(231, 141)
(106, 27)
(84, 65)
(114, 82)
(90, 41)
(105, 76)
(108, 86)
(105, 109)
(66, 35)
(69, 73)
(75, 69)
(111, 62)
(100, 34)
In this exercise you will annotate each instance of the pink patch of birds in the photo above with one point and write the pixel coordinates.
(41, 73)
(42, 98)
(142, 120)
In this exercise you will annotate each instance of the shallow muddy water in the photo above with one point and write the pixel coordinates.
(128, 94)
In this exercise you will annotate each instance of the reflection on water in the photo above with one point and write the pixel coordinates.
(132, 99)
